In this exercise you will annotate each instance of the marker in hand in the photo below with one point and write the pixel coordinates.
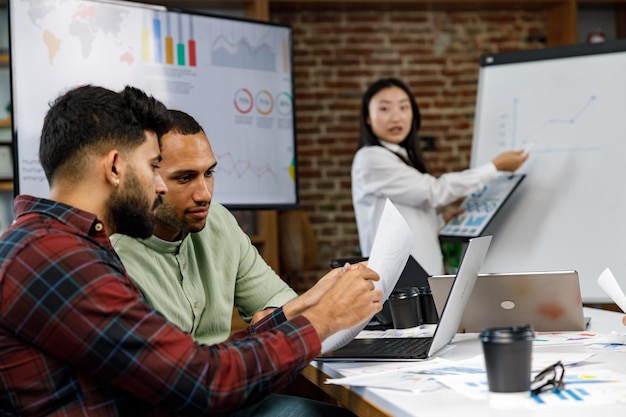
(528, 148)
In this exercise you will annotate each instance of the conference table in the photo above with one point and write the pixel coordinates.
(369, 402)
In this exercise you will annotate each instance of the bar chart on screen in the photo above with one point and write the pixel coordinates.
(237, 71)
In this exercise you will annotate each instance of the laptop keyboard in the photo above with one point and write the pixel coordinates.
(405, 346)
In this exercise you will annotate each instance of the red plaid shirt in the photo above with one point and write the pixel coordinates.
(77, 339)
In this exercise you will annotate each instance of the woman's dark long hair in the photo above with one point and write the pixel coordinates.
(411, 142)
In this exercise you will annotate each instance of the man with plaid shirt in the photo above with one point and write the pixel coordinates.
(76, 336)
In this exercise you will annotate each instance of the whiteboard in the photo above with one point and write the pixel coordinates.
(234, 76)
(568, 105)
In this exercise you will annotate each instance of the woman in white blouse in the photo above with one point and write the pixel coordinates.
(389, 164)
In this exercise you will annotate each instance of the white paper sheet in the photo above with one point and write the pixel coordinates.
(607, 282)
(582, 388)
(390, 251)
(417, 377)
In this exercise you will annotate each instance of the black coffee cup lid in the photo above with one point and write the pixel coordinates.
(405, 292)
(507, 334)
(424, 290)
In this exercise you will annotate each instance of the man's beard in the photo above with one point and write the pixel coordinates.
(166, 214)
(129, 210)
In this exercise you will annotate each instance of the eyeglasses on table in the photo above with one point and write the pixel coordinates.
(550, 378)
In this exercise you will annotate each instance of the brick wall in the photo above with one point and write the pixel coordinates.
(338, 54)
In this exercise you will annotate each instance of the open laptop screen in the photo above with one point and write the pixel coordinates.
(549, 301)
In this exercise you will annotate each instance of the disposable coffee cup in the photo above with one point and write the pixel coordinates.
(427, 306)
(508, 355)
(405, 308)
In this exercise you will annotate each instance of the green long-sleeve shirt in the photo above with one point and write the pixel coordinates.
(196, 281)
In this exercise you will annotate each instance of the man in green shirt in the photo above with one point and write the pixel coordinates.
(197, 266)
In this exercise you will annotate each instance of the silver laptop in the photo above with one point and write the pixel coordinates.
(549, 301)
(390, 349)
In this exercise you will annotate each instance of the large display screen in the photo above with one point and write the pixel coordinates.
(233, 75)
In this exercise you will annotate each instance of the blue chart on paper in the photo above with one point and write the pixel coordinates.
(568, 394)
(480, 207)
(583, 388)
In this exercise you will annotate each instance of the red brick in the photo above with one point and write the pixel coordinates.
(338, 53)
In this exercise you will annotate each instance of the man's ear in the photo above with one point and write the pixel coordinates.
(113, 167)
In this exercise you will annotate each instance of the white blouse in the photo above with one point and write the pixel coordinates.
(378, 174)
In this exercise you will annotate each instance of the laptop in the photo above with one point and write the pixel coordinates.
(416, 348)
(549, 301)
(413, 275)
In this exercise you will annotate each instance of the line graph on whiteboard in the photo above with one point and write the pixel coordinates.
(557, 129)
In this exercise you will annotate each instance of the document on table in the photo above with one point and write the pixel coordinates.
(392, 245)
(428, 376)
(408, 377)
(582, 388)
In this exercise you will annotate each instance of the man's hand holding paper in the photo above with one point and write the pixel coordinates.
(390, 251)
